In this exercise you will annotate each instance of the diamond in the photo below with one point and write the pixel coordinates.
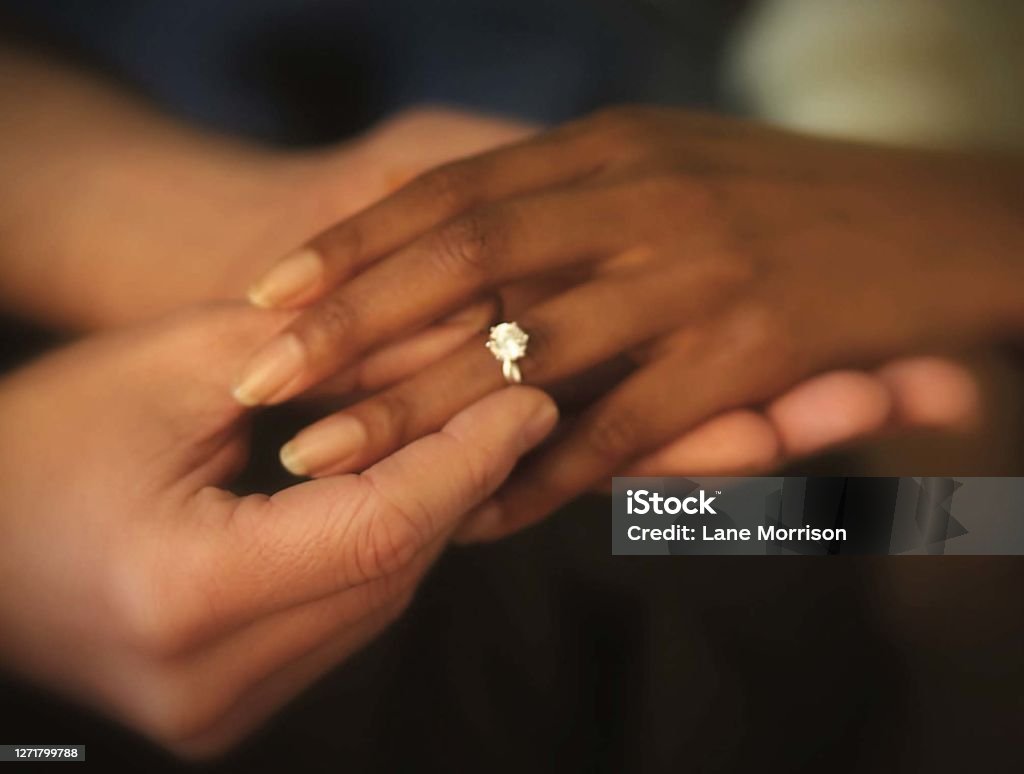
(508, 341)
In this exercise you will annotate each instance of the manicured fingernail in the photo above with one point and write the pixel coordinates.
(270, 370)
(539, 425)
(289, 280)
(323, 446)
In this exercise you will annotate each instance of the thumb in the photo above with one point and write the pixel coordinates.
(334, 533)
(438, 479)
(420, 493)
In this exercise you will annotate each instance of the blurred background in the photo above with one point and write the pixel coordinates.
(544, 653)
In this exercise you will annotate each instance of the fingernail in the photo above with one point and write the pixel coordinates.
(270, 370)
(288, 280)
(539, 425)
(321, 447)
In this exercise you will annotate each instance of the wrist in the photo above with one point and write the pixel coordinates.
(145, 230)
(108, 209)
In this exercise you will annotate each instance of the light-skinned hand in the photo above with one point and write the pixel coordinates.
(133, 582)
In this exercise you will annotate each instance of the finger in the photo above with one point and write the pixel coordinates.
(261, 554)
(739, 442)
(479, 448)
(433, 276)
(932, 392)
(429, 200)
(198, 688)
(826, 411)
(646, 411)
(829, 410)
(568, 335)
(844, 406)
(256, 705)
(363, 433)
(394, 362)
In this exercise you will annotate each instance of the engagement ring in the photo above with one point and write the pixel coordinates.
(508, 344)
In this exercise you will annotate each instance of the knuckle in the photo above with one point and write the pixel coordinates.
(335, 318)
(749, 328)
(393, 417)
(387, 539)
(449, 187)
(392, 545)
(479, 476)
(759, 332)
(614, 434)
(341, 246)
(467, 246)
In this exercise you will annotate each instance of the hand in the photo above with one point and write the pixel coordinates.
(133, 214)
(130, 580)
(727, 262)
(206, 248)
